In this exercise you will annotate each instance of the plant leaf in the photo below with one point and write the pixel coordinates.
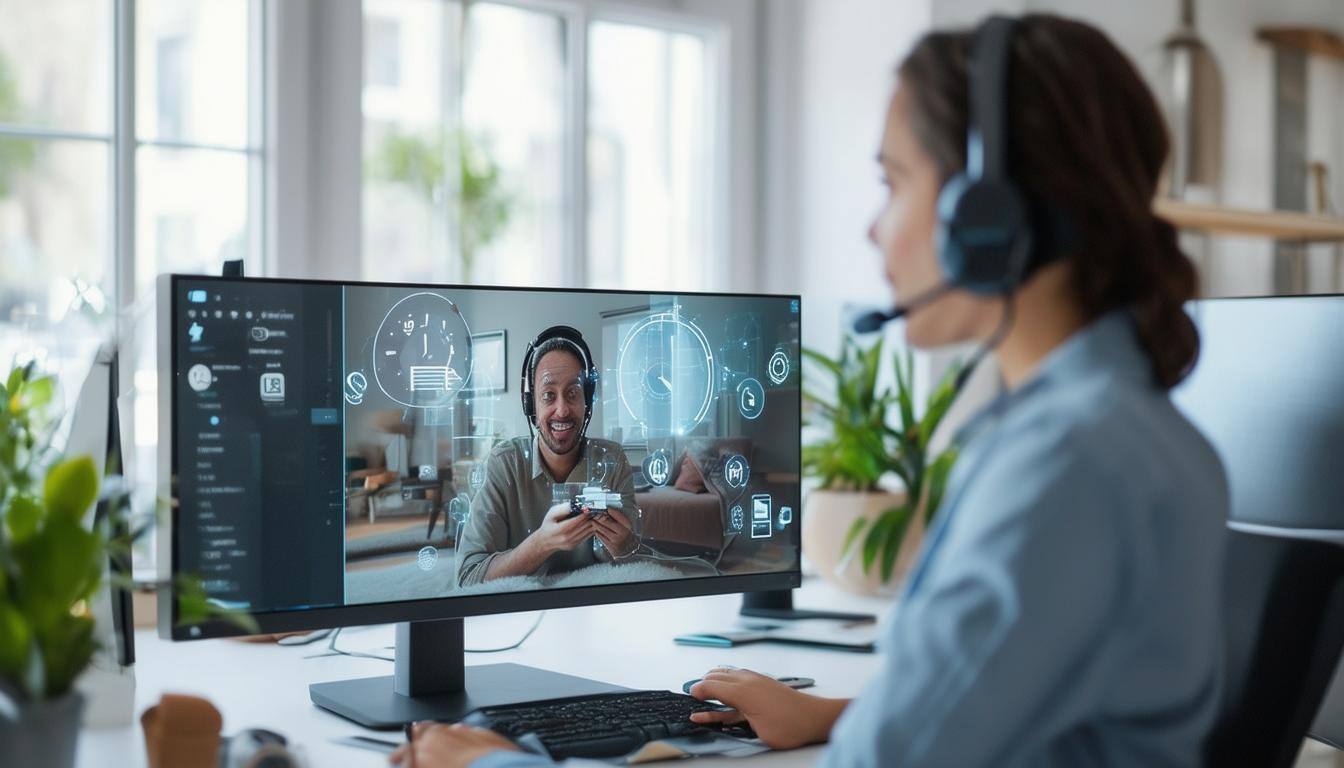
(71, 487)
(23, 517)
(15, 637)
(891, 548)
(872, 543)
(67, 647)
(938, 474)
(852, 535)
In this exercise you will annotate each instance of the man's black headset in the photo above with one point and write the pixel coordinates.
(987, 239)
(589, 376)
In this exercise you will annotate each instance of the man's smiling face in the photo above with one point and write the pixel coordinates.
(558, 389)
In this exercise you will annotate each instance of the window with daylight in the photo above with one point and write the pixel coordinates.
(106, 183)
(538, 144)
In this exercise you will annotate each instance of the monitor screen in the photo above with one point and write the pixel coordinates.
(346, 444)
(1264, 393)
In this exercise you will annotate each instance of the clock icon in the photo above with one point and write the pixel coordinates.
(657, 380)
(200, 377)
(422, 351)
(666, 374)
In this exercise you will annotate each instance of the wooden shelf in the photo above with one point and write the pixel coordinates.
(1321, 42)
(1279, 225)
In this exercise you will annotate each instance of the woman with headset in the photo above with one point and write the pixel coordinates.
(1065, 607)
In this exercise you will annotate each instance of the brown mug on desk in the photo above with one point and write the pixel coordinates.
(182, 732)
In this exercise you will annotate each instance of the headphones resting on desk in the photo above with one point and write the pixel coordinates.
(589, 376)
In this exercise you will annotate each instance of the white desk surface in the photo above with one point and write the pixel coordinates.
(266, 685)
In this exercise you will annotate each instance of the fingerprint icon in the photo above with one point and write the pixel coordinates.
(427, 558)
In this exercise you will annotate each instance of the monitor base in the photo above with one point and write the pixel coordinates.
(373, 703)
(432, 682)
(778, 604)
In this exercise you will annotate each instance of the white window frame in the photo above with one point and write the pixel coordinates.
(123, 143)
(322, 238)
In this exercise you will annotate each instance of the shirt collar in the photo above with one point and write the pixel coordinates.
(1108, 346)
(539, 466)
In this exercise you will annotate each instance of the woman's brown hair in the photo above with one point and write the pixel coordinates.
(1087, 140)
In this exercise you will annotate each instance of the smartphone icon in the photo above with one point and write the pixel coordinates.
(760, 516)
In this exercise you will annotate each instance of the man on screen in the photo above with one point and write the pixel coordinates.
(515, 527)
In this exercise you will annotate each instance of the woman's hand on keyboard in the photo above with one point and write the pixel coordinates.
(448, 746)
(782, 717)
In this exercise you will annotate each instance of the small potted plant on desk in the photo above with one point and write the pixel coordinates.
(52, 564)
(878, 487)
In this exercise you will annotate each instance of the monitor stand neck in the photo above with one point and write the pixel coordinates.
(778, 604)
(431, 681)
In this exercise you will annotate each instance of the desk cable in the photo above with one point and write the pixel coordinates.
(332, 650)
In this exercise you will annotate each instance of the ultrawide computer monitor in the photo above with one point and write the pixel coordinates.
(357, 453)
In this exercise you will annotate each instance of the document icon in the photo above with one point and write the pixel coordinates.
(760, 516)
(433, 378)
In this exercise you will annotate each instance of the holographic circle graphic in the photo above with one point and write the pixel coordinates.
(736, 472)
(459, 508)
(657, 467)
(355, 385)
(422, 352)
(750, 398)
(736, 518)
(427, 558)
(778, 368)
(666, 373)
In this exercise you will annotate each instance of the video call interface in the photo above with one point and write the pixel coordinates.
(339, 444)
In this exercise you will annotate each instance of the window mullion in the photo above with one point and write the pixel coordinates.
(123, 174)
(452, 268)
(258, 89)
(577, 154)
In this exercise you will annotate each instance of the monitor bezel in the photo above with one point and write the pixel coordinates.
(427, 609)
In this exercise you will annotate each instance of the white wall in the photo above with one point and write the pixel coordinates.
(1238, 266)
(828, 69)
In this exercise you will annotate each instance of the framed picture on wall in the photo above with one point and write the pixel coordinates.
(489, 367)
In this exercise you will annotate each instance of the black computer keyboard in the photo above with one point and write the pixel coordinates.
(604, 725)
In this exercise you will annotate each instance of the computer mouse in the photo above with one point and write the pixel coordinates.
(792, 682)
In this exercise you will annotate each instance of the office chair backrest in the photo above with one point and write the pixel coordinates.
(1283, 601)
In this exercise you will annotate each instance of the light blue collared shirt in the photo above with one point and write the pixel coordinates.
(1066, 609)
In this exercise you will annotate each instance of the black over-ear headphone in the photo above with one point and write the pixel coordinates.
(985, 239)
(572, 338)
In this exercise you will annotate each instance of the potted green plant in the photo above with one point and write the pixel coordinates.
(878, 485)
(52, 564)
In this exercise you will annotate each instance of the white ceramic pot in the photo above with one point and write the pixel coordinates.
(828, 516)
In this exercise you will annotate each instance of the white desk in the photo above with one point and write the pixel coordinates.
(266, 685)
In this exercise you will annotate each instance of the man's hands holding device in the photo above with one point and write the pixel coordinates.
(561, 530)
(615, 532)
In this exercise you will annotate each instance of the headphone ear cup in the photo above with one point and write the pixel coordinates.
(951, 260)
(590, 382)
(524, 388)
(985, 237)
